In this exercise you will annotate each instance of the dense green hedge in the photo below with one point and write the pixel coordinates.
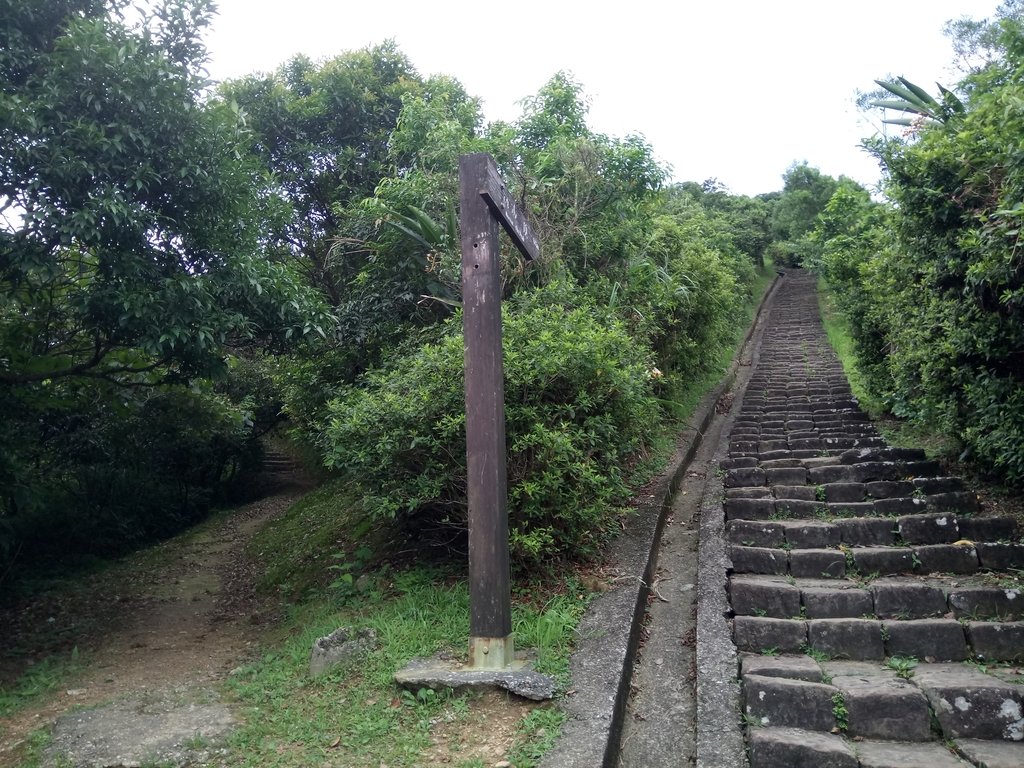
(578, 404)
(934, 283)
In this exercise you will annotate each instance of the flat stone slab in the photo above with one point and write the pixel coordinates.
(137, 732)
(863, 671)
(779, 701)
(751, 596)
(797, 748)
(999, 557)
(992, 754)
(817, 563)
(970, 704)
(883, 561)
(898, 599)
(946, 558)
(757, 633)
(997, 641)
(888, 754)
(439, 673)
(839, 603)
(846, 638)
(932, 639)
(884, 709)
(866, 532)
(810, 534)
(757, 533)
(928, 529)
(758, 560)
(980, 603)
(790, 667)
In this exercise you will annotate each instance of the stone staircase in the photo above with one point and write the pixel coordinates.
(877, 612)
(279, 471)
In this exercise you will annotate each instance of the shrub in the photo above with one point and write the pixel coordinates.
(681, 295)
(578, 405)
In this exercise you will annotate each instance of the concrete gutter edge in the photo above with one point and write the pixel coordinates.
(609, 633)
(720, 742)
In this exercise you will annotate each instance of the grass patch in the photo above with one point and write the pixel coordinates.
(839, 336)
(897, 432)
(44, 677)
(537, 734)
(357, 716)
(300, 551)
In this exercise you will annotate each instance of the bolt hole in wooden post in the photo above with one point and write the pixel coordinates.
(484, 204)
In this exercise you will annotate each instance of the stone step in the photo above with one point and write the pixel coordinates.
(968, 600)
(970, 704)
(868, 562)
(797, 748)
(784, 502)
(883, 714)
(786, 702)
(853, 561)
(757, 522)
(935, 639)
(991, 754)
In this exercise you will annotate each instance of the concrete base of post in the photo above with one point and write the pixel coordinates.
(439, 672)
(491, 652)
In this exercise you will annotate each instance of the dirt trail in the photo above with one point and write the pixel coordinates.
(180, 616)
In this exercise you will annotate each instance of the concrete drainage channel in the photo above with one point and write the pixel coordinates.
(605, 665)
(841, 585)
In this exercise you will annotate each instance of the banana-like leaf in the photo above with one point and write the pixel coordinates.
(916, 104)
(897, 90)
(951, 100)
(904, 121)
(408, 231)
(923, 96)
(900, 104)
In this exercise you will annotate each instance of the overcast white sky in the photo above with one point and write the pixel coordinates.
(736, 89)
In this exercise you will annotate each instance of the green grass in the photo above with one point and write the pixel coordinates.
(839, 336)
(41, 678)
(297, 550)
(902, 434)
(684, 401)
(537, 734)
(292, 719)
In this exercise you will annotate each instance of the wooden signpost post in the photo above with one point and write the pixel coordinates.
(484, 204)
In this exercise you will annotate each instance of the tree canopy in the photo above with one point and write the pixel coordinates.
(132, 240)
(131, 227)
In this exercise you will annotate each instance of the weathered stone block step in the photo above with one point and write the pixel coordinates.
(878, 703)
(970, 704)
(883, 598)
(786, 502)
(796, 748)
(991, 754)
(779, 701)
(872, 561)
(865, 638)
